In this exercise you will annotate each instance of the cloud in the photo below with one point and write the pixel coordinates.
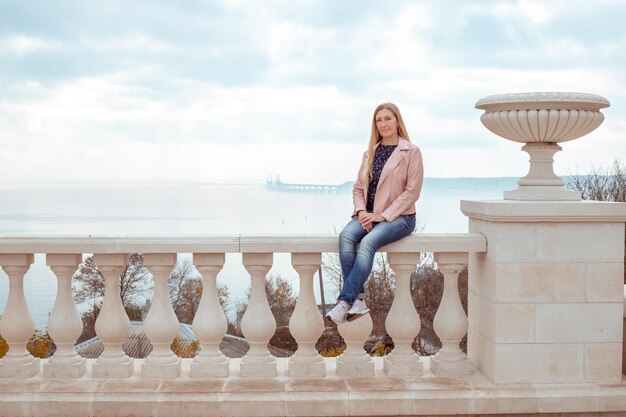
(534, 11)
(233, 91)
(20, 45)
(130, 43)
(93, 124)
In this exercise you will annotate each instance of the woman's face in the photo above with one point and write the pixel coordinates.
(386, 123)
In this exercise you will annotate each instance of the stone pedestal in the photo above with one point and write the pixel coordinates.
(209, 370)
(450, 322)
(403, 321)
(354, 361)
(107, 368)
(306, 322)
(541, 183)
(546, 299)
(258, 323)
(161, 325)
(210, 323)
(307, 369)
(65, 324)
(16, 324)
(112, 325)
(62, 370)
(27, 369)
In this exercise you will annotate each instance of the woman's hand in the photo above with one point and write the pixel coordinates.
(366, 219)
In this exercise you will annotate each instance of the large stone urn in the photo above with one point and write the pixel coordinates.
(542, 121)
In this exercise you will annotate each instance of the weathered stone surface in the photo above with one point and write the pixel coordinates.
(295, 396)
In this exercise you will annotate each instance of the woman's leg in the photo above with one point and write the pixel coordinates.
(349, 237)
(382, 234)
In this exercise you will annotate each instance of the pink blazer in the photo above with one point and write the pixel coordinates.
(399, 185)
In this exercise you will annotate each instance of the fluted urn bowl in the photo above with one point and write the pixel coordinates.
(541, 121)
(542, 117)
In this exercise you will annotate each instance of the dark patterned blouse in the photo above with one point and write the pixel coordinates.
(382, 154)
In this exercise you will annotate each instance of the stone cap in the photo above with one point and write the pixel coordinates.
(302, 243)
(544, 211)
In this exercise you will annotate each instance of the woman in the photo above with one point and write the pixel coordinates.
(387, 187)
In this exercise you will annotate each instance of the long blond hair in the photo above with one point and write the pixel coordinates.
(375, 137)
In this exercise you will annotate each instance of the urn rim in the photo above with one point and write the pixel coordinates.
(542, 100)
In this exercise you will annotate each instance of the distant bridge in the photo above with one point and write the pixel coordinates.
(278, 185)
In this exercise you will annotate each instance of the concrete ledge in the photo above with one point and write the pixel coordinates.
(119, 244)
(544, 211)
(51, 244)
(285, 396)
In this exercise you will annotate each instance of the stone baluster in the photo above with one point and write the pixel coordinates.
(209, 324)
(65, 324)
(161, 325)
(17, 325)
(354, 361)
(258, 324)
(403, 322)
(306, 323)
(450, 323)
(112, 324)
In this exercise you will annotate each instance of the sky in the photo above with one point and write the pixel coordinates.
(234, 91)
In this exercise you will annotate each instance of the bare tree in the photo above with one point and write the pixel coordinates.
(281, 298)
(185, 289)
(190, 297)
(88, 283)
(88, 286)
(182, 272)
(601, 184)
(426, 291)
(282, 302)
(379, 292)
(189, 300)
(331, 268)
(134, 280)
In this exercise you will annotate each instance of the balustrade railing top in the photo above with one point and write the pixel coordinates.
(461, 242)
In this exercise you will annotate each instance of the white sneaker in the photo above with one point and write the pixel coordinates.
(357, 310)
(339, 312)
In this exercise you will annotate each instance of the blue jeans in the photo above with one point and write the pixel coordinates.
(357, 262)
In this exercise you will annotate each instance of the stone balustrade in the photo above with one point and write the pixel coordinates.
(63, 255)
(544, 323)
